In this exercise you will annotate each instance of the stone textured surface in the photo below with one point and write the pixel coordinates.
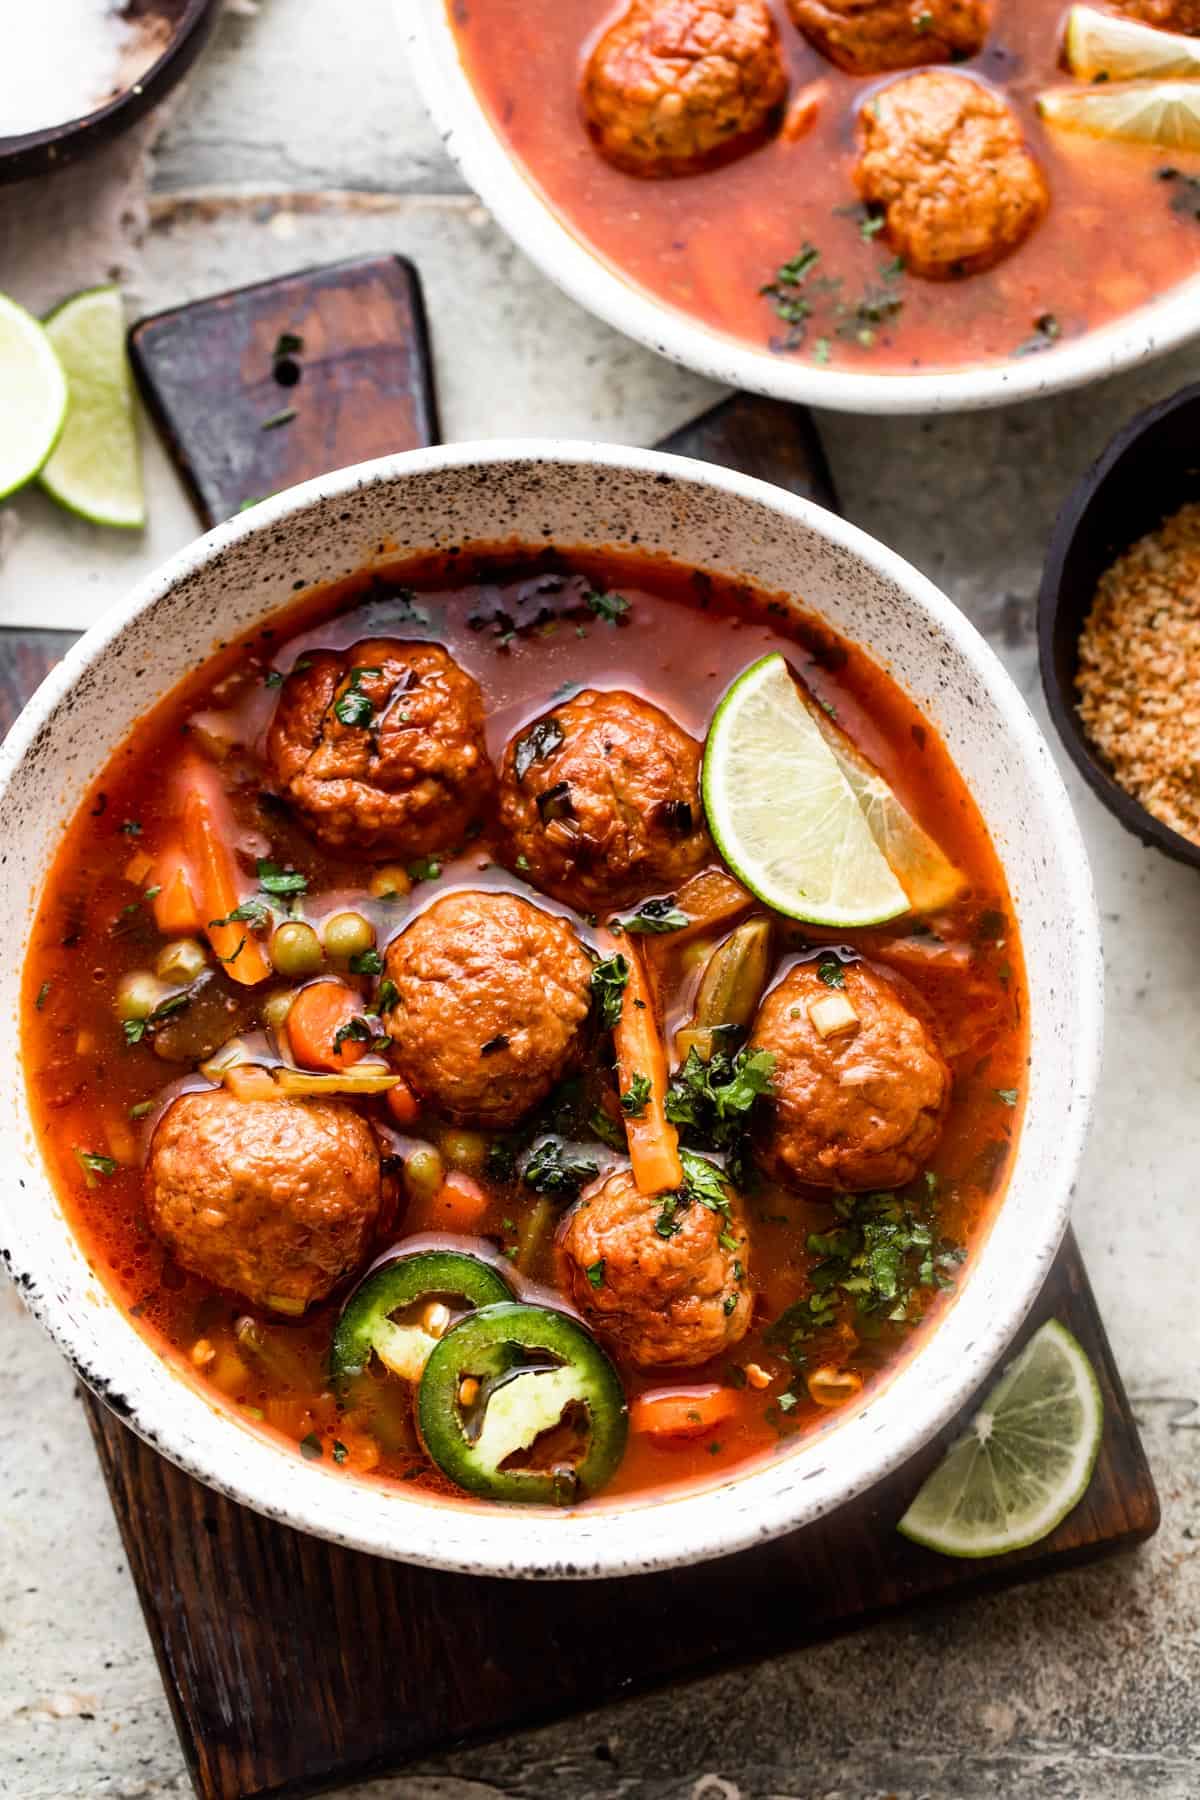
(1083, 1688)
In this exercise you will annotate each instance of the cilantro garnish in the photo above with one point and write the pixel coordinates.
(354, 1031)
(609, 979)
(136, 1029)
(556, 1170)
(387, 996)
(656, 916)
(595, 1273)
(354, 707)
(831, 972)
(633, 1100)
(607, 605)
(93, 1164)
(279, 883)
(366, 962)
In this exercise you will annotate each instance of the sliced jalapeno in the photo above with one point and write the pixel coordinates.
(366, 1325)
(500, 1378)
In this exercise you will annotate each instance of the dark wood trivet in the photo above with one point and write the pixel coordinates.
(293, 1666)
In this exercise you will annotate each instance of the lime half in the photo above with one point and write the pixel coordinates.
(782, 812)
(1166, 113)
(1026, 1460)
(35, 396)
(96, 470)
(1102, 44)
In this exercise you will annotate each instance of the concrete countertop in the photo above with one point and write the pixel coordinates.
(289, 147)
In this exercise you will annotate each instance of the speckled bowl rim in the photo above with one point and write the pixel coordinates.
(597, 285)
(729, 1515)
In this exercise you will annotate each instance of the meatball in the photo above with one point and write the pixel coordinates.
(276, 1199)
(381, 748)
(600, 801)
(491, 997)
(944, 157)
(861, 1109)
(680, 85)
(668, 1290)
(867, 37)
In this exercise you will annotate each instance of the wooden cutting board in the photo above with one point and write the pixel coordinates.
(292, 1666)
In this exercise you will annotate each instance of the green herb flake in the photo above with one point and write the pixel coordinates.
(554, 1169)
(273, 678)
(274, 420)
(595, 1273)
(43, 995)
(666, 1224)
(280, 883)
(387, 996)
(141, 1108)
(286, 344)
(786, 1403)
(340, 1452)
(366, 962)
(831, 972)
(354, 1031)
(636, 1096)
(609, 980)
(655, 916)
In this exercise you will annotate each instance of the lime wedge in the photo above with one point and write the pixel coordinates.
(96, 471)
(1102, 44)
(783, 814)
(922, 868)
(1166, 113)
(35, 397)
(1026, 1460)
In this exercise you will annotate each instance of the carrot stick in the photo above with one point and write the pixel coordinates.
(459, 1205)
(206, 845)
(403, 1104)
(314, 1019)
(683, 1413)
(175, 911)
(709, 899)
(653, 1140)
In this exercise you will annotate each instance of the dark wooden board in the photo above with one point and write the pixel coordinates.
(292, 1666)
(210, 378)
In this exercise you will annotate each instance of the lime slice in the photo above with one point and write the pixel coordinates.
(1026, 1460)
(35, 397)
(1166, 113)
(96, 471)
(1102, 44)
(782, 812)
(922, 868)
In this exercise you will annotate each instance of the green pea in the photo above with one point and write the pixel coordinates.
(295, 948)
(181, 960)
(424, 1172)
(138, 993)
(347, 934)
(464, 1149)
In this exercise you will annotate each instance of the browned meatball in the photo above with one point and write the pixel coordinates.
(861, 1109)
(276, 1199)
(600, 801)
(1168, 15)
(491, 996)
(680, 85)
(662, 1286)
(945, 158)
(866, 37)
(381, 748)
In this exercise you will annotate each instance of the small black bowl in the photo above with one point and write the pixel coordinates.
(1149, 471)
(181, 26)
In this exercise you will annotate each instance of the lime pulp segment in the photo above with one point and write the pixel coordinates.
(1100, 44)
(1025, 1461)
(34, 390)
(782, 812)
(96, 469)
(1166, 113)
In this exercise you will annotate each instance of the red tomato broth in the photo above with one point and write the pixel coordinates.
(91, 927)
(707, 244)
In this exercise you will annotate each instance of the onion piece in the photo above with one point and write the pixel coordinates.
(832, 1015)
(359, 1080)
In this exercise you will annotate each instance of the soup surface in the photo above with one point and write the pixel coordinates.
(1120, 228)
(217, 923)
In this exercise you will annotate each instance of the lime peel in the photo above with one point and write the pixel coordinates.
(782, 812)
(34, 387)
(1166, 113)
(1102, 44)
(1025, 1460)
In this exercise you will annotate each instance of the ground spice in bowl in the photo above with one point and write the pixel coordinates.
(1139, 671)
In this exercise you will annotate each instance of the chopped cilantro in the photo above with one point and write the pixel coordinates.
(786, 1403)
(712, 1101)
(633, 1100)
(273, 677)
(254, 911)
(366, 962)
(43, 994)
(387, 996)
(340, 1452)
(286, 344)
(606, 1129)
(728, 1304)
(831, 972)
(354, 1031)
(554, 1169)
(656, 916)
(93, 1164)
(666, 1224)
(136, 1029)
(354, 707)
(426, 868)
(609, 980)
(606, 605)
(280, 882)
(595, 1273)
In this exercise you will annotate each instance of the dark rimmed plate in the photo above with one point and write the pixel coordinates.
(1150, 469)
(179, 26)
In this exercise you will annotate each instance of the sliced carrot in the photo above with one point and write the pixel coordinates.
(245, 1081)
(138, 867)
(638, 1041)
(314, 1019)
(682, 1412)
(709, 899)
(403, 1104)
(175, 909)
(206, 834)
(459, 1205)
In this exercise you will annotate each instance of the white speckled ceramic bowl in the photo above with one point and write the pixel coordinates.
(571, 494)
(498, 179)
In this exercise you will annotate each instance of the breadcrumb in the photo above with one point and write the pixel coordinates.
(1139, 671)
